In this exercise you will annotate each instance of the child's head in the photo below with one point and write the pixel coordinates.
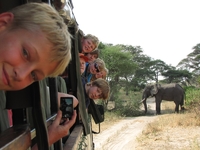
(41, 16)
(89, 43)
(83, 60)
(34, 44)
(96, 66)
(92, 55)
(102, 74)
(103, 87)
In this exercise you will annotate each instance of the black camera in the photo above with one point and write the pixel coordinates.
(66, 106)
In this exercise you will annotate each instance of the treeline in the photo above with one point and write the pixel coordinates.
(131, 69)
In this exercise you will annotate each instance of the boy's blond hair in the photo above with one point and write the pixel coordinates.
(101, 63)
(94, 40)
(42, 17)
(104, 86)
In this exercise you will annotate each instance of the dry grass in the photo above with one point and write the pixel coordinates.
(172, 131)
(172, 120)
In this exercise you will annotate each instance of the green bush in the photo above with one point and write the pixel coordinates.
(186, 88)
(128, 106)
(192, 96)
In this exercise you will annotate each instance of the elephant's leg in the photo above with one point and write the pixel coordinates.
(182, 108)
(176, 107)
(158, 102)
(182, 103)
(145, 106)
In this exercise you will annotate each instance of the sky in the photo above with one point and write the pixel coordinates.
(165, 29)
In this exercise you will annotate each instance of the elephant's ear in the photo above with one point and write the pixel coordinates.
(154, 90)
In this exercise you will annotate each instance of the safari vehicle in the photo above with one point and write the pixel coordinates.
(23, 134)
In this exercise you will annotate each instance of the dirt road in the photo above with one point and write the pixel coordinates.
(122, 135)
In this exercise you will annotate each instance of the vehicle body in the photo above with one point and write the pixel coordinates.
(21, 135)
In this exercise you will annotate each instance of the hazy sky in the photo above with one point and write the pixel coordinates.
(165, 29)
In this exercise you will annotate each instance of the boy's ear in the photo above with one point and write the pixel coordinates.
(5, 19)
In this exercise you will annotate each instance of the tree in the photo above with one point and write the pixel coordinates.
(192, 62)
(120, 66)
(141, 75)
(177, 76)
(156, 68)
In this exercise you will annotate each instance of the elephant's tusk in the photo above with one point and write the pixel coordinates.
(142, 100)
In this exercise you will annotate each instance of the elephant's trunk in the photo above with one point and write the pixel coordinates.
(144, 98)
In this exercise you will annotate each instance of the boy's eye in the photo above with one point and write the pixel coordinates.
(33, 75)
(25, 53)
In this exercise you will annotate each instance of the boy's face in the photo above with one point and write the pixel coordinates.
(94, 68)
(100, 74)
(87, 45)
(82, 65)
(24, 58)
(94, 92)
(91, 57)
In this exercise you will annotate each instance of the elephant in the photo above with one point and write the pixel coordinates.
(170, 92)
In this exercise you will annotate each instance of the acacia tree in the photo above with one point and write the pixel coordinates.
(120, 66)
(141, 74)
(156, 68)
(177, 76)
(192, 63)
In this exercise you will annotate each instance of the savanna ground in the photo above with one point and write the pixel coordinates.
(168, 131)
